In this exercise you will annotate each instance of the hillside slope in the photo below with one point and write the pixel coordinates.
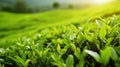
(13, 25)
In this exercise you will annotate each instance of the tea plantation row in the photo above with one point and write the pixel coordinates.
(95, 43)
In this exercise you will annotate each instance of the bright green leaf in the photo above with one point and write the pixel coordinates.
(70, 61)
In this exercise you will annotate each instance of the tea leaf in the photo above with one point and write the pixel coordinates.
(95, 55)
(105, 55)
(70, 61)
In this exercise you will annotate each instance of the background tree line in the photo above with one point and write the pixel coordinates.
(18, 7)
(22, 7)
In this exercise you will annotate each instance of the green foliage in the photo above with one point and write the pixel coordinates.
(6, 8)
(104, 56)
(70, 6)
(91, 44)
(13, 25)
(56, 5)
(70, 61)
(19, 7)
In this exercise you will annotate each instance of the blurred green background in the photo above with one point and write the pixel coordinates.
(19, 18)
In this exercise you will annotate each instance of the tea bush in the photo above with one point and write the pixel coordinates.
(95, 43)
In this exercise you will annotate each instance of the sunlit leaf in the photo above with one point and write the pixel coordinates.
(81, 64)
(105, 55)
(102, 33)
(70, 61)
(27, 62)
(95, 55)
(58, 48)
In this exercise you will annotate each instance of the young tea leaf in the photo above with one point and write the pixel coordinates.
(70, 61)
(105, 55)
(95, 55)
(102, 33)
